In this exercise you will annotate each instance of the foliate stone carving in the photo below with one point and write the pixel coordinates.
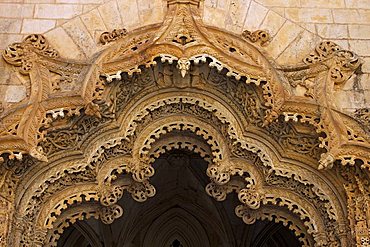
(110, 213)
(342, 63)
(356, 184)
(22, 54)
(218, 175)
(120, 93)
(286, 134)
(116, 76)
(54, 124)
(363, 116)
(107, 37)
(326, 161)
(250, 197)
(260, 36)
(110, 195)
(327, 58)
(249, 216)
(74, 214)
(220, 192)
(307, 190)
(141, 191)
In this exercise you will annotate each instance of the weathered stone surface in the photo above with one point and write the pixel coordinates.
(359, 31)
(129, 14)
(288, 32)
(16, 10)
(15, 93)
(332, 31)
(309, 15)
(64, 44)
(10, 25)
(353, 16)
(81, 36)
(61, 11)
(8, 39)
(256, 15)
(272, 23)
(111, 15)
(31, 26)
(302, 44)
(360, 46)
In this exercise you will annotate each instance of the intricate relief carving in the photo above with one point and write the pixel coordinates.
(68, 219)
(327, 58)
(22, 54)
(250, 216)
(250, 197)
(110, 195)
(141, 191)
(342, 63)
(356, 184)
(363, 116)
(110, 213)
(219, 192)
(104, 93)
(107, 37)
(260, 36)
(287, 135)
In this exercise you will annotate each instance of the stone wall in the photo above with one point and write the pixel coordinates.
(296, 27)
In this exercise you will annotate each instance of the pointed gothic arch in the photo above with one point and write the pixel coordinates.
(70, 154)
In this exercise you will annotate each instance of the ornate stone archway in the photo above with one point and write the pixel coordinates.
(90, 131)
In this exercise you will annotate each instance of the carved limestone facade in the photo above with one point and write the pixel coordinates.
(89, 131)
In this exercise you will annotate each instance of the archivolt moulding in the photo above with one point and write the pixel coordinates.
(98, 158)
(183, 41)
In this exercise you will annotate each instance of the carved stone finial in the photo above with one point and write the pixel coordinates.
(22, 54)
(107, 37)
(260, 36)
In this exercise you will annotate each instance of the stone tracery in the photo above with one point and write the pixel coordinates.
(189, 82)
